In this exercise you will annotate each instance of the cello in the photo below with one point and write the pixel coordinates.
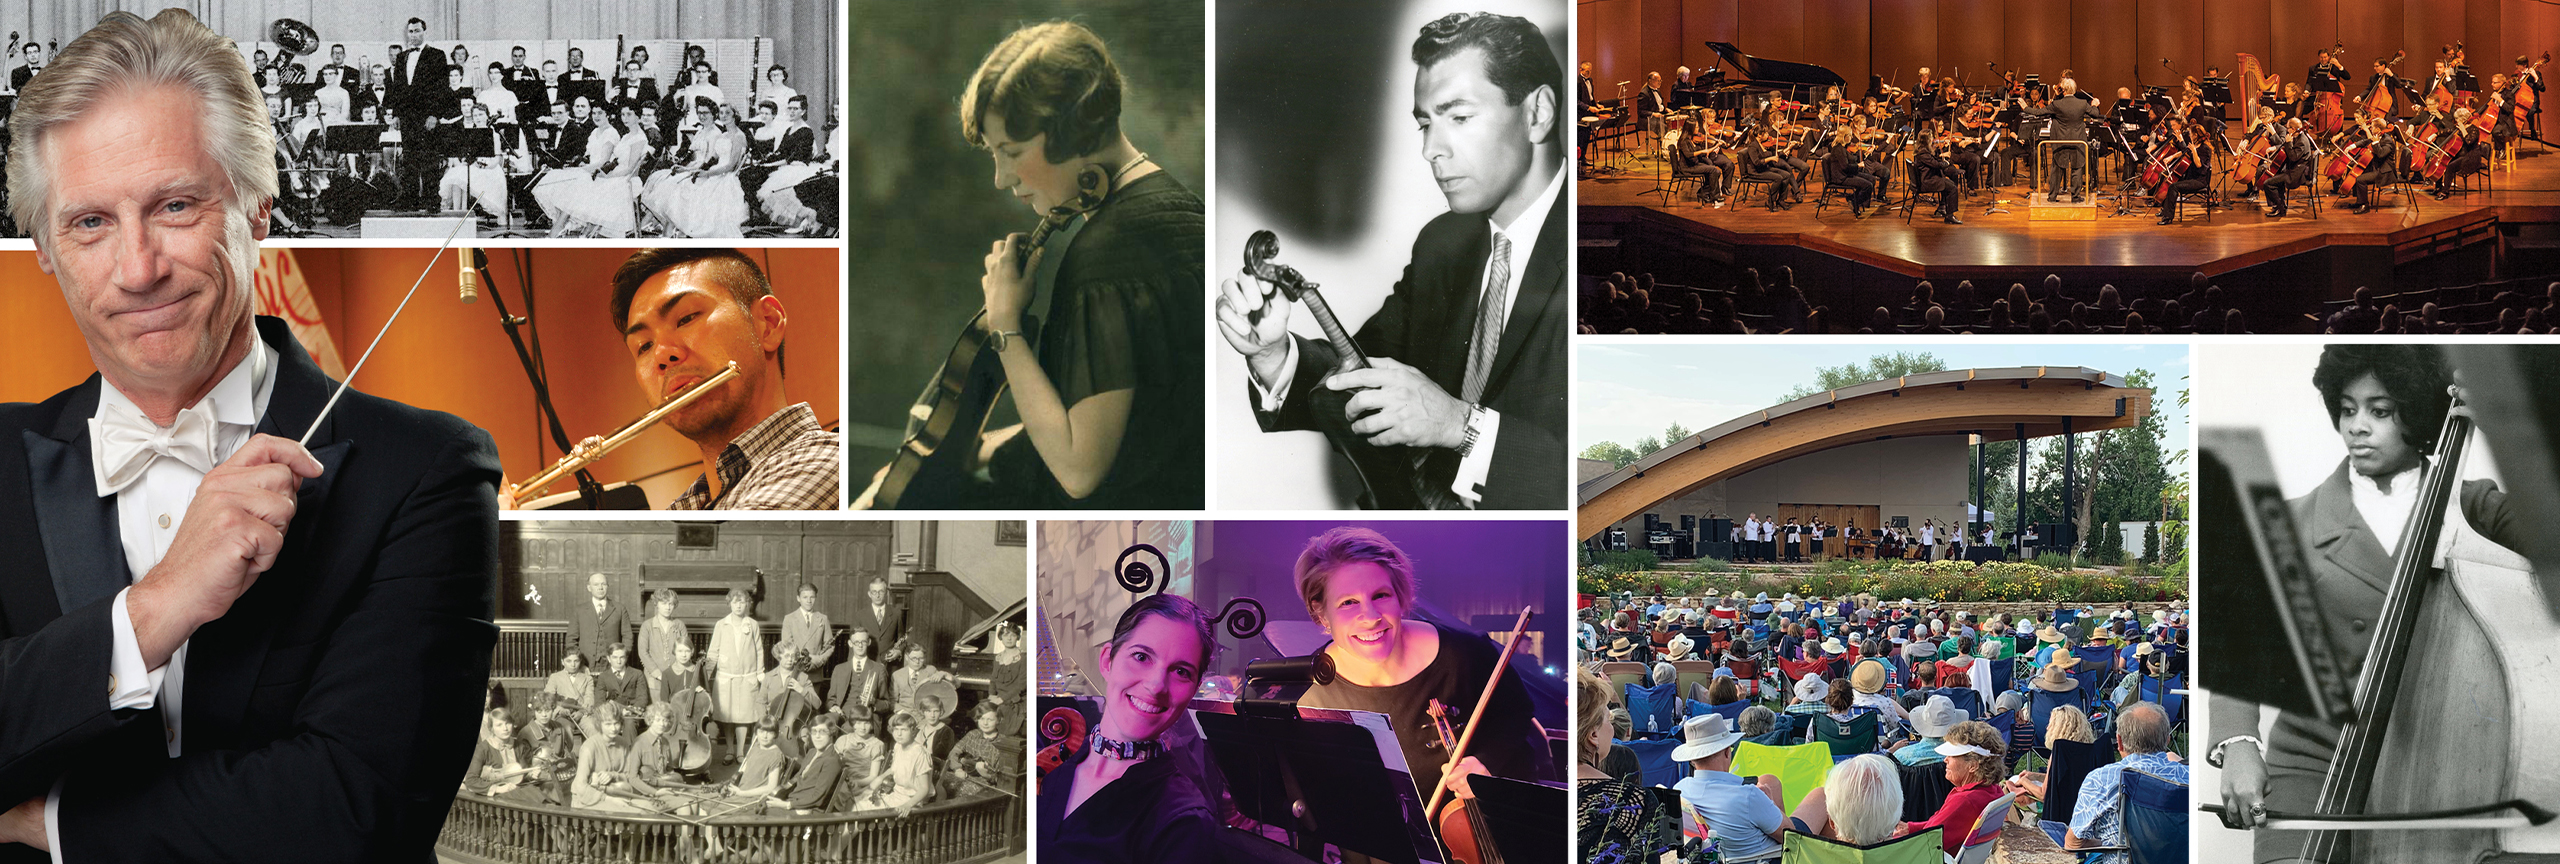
(2455, 598)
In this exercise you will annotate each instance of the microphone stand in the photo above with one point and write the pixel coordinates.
(590, 492)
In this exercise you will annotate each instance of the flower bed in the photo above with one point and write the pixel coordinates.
(1945, 581)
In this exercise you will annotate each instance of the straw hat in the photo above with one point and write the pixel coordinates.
(1680, 645)
(2056, 678)
(1621, 647)
(1833, 646)
(1868, 677)
(2049, 635)
(1703, 736)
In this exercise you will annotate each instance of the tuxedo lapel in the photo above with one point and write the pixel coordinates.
(78, 525)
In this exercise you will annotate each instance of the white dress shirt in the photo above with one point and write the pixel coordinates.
(2386, 513)
(148, 513)
(1523, 231)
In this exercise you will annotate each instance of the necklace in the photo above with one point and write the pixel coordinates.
(1132, 750)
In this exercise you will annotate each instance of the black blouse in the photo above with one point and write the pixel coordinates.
(1126, 315)
(1509, 744)
(1152, 813)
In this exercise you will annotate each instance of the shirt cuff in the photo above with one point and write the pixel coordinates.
(129, 683)
(1268, 398)
(1478, 463)
(53, 821)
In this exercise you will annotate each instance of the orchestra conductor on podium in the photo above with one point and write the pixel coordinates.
(2070, 169)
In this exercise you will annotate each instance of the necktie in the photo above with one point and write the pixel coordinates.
(123, 443)
(1489, 315)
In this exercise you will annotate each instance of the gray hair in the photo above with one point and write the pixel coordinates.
(2142, 727)
(1758, 720)
(125, 54)
(1665, 673)
(1865, 801)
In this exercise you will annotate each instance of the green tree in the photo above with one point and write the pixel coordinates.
(1673, 433)
(1646, 445)
(1877, 368)
(2151, 543)
(1612, 452)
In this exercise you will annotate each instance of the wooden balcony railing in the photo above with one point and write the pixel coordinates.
(486, 831)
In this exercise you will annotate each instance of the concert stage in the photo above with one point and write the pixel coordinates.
(1856, 264)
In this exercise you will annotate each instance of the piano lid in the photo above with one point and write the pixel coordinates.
(1757, 72)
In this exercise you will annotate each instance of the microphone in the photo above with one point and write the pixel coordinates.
(471, 263)
(1625, 83)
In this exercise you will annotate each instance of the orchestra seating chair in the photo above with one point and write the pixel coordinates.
(1986, 832)
(1921, 848)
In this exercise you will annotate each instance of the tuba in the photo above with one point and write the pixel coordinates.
(293, 39)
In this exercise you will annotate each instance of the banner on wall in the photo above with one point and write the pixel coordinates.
(281, 292)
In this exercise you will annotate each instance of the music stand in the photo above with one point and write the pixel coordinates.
(2325, 80)
(2285, 660)
(2462, 80)
(1273, 761)
(1522, 817)
(471, 144)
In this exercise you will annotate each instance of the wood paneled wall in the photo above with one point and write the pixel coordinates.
(2106, 43)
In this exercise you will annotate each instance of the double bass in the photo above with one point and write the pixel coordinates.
(2380, 103)
(2456, 668)
(2328, 109)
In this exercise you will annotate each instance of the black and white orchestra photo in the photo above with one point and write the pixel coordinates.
(2378, 691)
(1390, 256)
(545, 119)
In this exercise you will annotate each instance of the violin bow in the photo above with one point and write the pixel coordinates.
(1482, 699)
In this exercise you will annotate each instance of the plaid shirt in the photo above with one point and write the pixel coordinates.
(786, 462)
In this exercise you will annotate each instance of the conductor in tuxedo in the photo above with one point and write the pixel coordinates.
(1467, 356)
(419, 91)
(214, 644)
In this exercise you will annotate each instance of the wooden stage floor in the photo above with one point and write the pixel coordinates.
(2229, 240)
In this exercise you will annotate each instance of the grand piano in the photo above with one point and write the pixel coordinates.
(1747, 78)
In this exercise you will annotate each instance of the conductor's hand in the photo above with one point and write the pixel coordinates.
(1409, 409)
(231, 533)
(2244, 786)
(1255, 319)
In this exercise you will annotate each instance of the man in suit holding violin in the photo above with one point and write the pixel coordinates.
(1467, 355)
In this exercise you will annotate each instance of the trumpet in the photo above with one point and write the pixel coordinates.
(593, 448)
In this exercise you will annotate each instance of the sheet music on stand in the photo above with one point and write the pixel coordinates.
(1330, 776)
(2261, 578)
(2325, 80)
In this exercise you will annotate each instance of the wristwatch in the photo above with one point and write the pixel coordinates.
(998, 340)
(1475, 427)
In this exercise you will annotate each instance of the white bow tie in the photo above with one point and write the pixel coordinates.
(123, 444)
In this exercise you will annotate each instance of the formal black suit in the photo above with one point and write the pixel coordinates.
(1427, 323)
(2070, 123)
(329, 715)
(884, 629)
(18, 77)
(637, 91)
(591, 634)
(414, 96)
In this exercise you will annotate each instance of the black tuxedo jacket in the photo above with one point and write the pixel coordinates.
(424, 93)
(1428, 322)
(329, 715)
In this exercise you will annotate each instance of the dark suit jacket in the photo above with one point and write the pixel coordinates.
(2349, 568)
(884, 629)
(629, 689)
(424, 93)
(2070, 116)
(815, 782)
(19, 77)
(1428, 322)
(591, 635)
(639, 91)
(335, 704)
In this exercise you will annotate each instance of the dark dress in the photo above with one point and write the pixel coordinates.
(1126, 315)
(1152, 813)
(1509, 744)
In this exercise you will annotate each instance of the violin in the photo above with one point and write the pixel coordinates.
(1462, 828)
